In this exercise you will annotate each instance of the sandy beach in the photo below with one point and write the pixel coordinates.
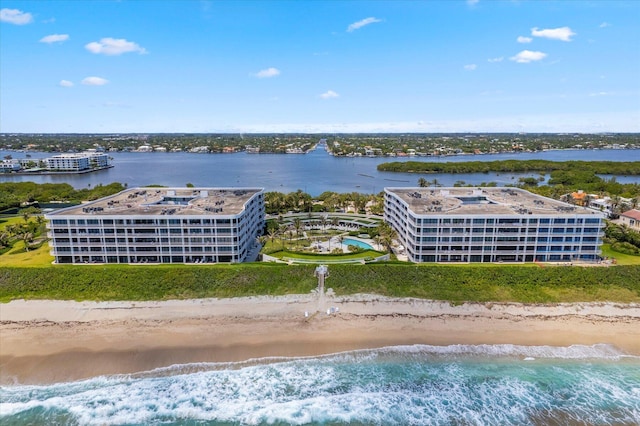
(58, 341)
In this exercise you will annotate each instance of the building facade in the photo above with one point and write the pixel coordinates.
(77, 162)
(631, 218)
(8, 166)
(491, 225)
(160, 225)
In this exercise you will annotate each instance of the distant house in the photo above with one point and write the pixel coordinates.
(631, 218)
(8, 166)
(579, 197)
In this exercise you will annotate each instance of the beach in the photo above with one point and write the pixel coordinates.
(60, 341)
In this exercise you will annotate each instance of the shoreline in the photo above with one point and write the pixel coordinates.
(47, 341)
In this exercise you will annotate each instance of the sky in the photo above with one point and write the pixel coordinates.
(150, 66)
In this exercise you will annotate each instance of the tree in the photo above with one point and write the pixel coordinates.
(323, 223)
(4, 239)
(297, 224)
(27, 237)
(272, 232)
(282, 231)
(386, 235)
(423, 183)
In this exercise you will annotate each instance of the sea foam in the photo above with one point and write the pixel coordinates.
(418, 384)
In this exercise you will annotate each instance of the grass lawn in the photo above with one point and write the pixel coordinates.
(621, 258)
(18, 257)
(326, 257)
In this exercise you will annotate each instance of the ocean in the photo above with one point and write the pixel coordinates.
(399, 385)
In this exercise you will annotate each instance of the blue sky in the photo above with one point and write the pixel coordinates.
(319, 66)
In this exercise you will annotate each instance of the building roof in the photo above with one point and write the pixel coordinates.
(167, 201)
(632, 214)
(483, 201)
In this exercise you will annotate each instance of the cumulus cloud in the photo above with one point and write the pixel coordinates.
(470, 67)
(65, 83)
(329, 94)
(114, 46)
(15, 16)
(94, 81)
(522, 39)
(472, 2)
(605, 25)
(362, 23)
(54, 38)
(527, 56)
(562, 33)
(499, 59)
(268, 73)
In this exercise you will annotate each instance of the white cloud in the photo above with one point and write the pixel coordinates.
(362, 23)
(112, 46)
(600, 94)
(522, 39)
(54, 38)
(472, 2)
(499, 59)
(15, 16)
(527, 56)
(470, 67)
(562, 33)
(605, 25)
(268, 73)
(65, 83)
(329, 94)
(94, 81)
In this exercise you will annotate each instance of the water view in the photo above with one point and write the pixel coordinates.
(313, 173)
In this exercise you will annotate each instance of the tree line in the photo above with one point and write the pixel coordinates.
(16, 194)
(619, 168)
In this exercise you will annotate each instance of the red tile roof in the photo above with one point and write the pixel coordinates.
(632, 214)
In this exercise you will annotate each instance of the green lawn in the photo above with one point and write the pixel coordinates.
(326, 257)
(621, 258)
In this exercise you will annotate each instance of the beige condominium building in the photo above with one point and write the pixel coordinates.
(491, 225)
(160, 225)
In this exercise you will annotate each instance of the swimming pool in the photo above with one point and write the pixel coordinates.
(350, 242)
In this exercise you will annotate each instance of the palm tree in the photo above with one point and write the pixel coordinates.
(4, 239)
(27, 237)
(323, 223)
(335, 221)
(423, 183)
(387, 234)
(297, 224)
(282, 230)
(272, 232)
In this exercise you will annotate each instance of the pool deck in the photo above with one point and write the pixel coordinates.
(328, 245)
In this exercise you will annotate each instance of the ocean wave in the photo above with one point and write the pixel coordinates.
(418, 384)
(597, 351)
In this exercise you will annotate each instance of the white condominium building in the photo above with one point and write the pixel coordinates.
(77, 162)
(160, 225)
(490, 225)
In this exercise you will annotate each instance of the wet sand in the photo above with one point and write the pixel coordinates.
(58, 341)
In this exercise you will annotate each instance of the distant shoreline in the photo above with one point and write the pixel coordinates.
(49, 173)
(48, 341)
